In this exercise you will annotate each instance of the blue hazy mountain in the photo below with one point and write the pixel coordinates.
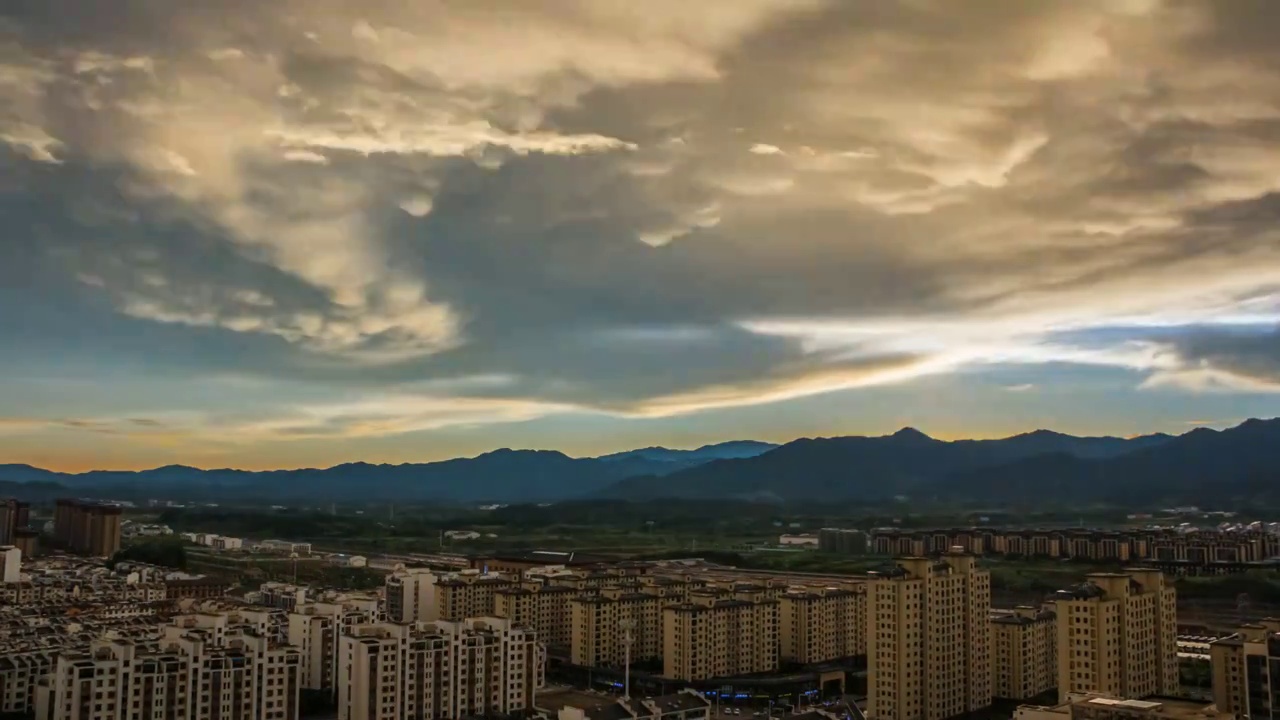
(503, 475)
(1201, 466)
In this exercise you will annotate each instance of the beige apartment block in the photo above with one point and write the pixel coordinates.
(411, 595)
(928, 639)
(183, 677)
(603, 623)
(1117, 635)
(1246, 670)
(440, 670)
(19, 674)
(713, 636)
(1024, 654)
(545, 608)
(821, 624)
(469, 594)
(314, 628)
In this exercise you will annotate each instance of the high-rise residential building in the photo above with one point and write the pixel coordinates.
(821, 624)
(315, 629)
(87, 528)
(183, 676)
(438, 670)
(1246, 671)
(1117, 635)
(928, 639)
(469, 594)
(14, 516)
(546, 608)
(411, 595)
(620, 619)
(10, 564)
(711, 635)
(28, 541)
(1024, 655)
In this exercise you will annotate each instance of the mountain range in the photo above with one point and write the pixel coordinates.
(1203, 466)
(503, 475)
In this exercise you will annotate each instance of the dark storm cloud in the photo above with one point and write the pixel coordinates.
(636, 210)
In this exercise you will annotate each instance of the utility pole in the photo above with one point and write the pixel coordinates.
(627, 639)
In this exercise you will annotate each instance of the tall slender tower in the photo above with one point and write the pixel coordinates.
(928, 640)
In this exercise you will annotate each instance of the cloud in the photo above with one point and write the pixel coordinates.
(1021, 388)
(101, 426)
(643, 211)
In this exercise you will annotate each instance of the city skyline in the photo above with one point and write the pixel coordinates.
(303, 233)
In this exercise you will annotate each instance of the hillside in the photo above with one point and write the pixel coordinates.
(1203, 467)
(879, 468)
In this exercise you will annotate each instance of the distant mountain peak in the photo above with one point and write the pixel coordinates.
(1042, 433)
(910, 433)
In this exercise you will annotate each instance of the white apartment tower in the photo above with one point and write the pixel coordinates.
(928, 639)
(315, 628)
(411, 596)
(184, 676)
(10, 564)
(417, 671)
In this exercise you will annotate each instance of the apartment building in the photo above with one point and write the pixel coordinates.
(27, 540)
(845, 541)
(1024, 654)
(1183, 545)
(619, 620)
(1117, 635)
(15, 515)
(469, 594)
(928, 639)
(443, 669)
(284, 547)
(19, 674)
(1246, 671)
(411, 595)
(315, 629)
(183, 676)
(545, 608)
(10, 564)
(87, 528)
(711, 636)
(821, 624)
(284, 596)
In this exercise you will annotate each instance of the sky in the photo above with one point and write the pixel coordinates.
(303, 232)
